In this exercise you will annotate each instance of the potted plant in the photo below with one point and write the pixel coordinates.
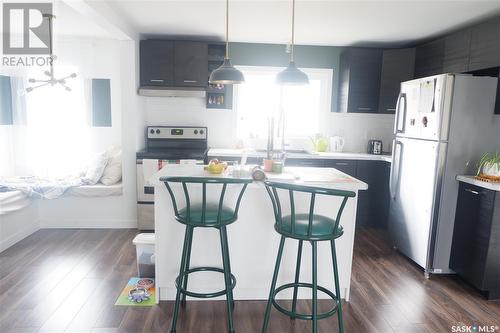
(489, 166)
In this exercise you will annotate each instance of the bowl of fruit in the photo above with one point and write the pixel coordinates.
(216, 167)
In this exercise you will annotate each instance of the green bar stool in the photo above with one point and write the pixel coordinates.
(205, 215)
(309, 227)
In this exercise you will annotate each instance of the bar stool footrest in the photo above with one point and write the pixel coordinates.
(302, 316)
(180, 278)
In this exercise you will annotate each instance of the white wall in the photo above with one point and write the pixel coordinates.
(115, 60)
(357, 129)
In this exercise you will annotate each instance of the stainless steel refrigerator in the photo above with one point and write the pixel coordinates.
(443, 125)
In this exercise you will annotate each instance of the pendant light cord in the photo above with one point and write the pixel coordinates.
(293, 30)
(227, 29)
(51, 51)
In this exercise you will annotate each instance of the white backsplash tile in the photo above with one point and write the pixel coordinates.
(356, 129)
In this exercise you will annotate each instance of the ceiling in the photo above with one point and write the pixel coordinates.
(326, 22)
(69, 22)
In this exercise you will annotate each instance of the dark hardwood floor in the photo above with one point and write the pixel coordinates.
(68, 281)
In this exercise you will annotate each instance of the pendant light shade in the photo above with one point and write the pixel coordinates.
(226, 73)
(292, 75)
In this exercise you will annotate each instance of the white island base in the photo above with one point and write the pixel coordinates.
(253, 242)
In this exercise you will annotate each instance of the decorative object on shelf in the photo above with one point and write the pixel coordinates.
(292, 75)
(138, 295)
(226, 73)
(50, 73)
(489, 166)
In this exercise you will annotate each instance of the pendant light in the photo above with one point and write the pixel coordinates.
(51, 80)
(226, 73)
(292, 75)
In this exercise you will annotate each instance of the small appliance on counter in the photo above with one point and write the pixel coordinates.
(375, 147)
(337, 144)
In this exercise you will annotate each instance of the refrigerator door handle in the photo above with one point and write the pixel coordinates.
(396, 163)
(397, 129)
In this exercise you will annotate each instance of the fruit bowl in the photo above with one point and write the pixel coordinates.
(215, 167)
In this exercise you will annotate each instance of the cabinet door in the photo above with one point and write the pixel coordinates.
(429, 58)
(156, 63)
(305, 162)
(191, 64)
(471, 233)
(346, 166)
(364, 80)
(456, 52)
(397, 66)
(485, 45)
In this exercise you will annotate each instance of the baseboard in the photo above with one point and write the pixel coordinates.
(88, 224)
(18, 236)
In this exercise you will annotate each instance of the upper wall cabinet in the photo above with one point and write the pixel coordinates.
(429, 58)
(485, 45)
(360, 80)
(456, 52)
(157, 63)
(173, 63)
(397, 66)
(190, 64)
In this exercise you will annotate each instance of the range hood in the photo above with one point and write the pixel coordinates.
(172, 92)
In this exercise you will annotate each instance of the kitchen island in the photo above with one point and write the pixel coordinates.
(253, 242)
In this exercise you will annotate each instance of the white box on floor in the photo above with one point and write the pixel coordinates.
(145, 249)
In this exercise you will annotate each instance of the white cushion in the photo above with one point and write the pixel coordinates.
(113, 172)
(96, 168)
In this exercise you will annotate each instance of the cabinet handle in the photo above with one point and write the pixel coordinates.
(471, 191)
(156, 80)
(341, 163)
(390, 109)
(190, 81)
(364, 109)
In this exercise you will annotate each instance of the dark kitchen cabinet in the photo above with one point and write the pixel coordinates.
(485, 45)
(475, 252)
(190, 64)
(398, 66)
(346, 166)
(373, 204)
(305, 162)
(429, 58)
(456, 52)
(359, 86)
(156, 63)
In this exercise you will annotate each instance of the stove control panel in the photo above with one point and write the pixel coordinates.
(168, 132)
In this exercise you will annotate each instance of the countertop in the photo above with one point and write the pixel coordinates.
(227, 152)
(473, 181)
(321, 177)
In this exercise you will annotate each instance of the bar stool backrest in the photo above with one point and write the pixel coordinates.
(204, 181)
(273, 187)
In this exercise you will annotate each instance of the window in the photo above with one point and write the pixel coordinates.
(260, 98)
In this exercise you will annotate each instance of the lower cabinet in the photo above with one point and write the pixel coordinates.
(373, 204)
(475, 251)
